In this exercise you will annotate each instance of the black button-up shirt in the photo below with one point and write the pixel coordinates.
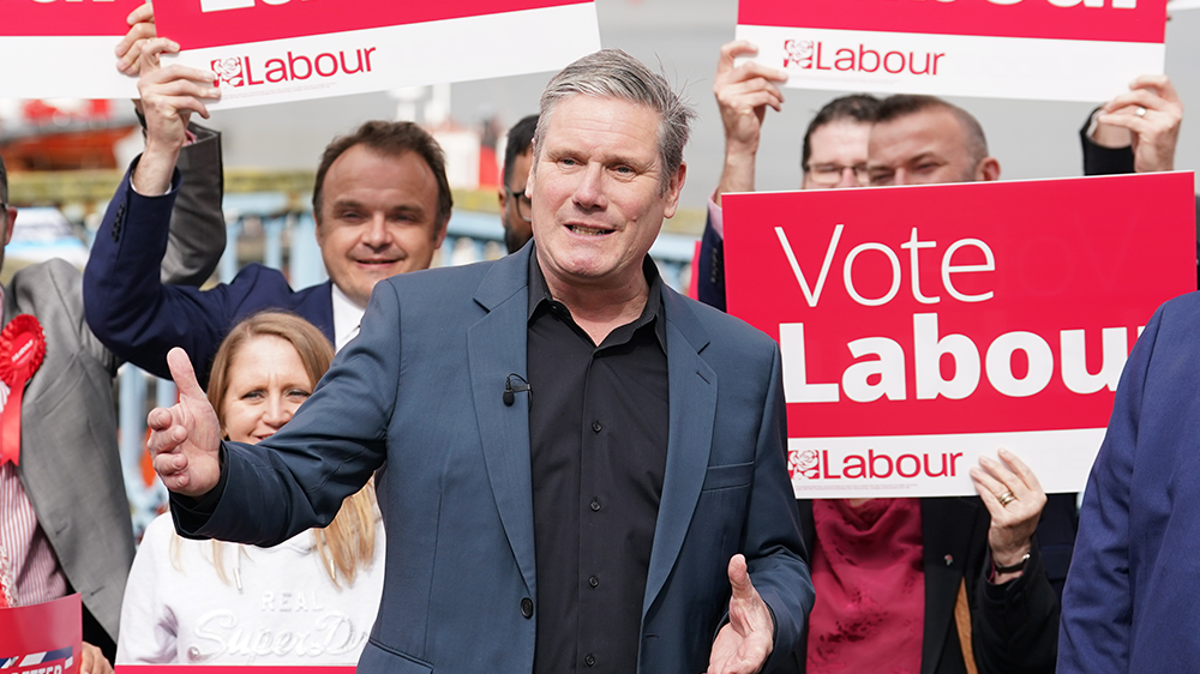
(598, 434)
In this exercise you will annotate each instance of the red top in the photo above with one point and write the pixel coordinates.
(867, 572)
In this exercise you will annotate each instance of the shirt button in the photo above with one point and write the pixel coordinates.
(527, 607)
(595, 505)
(596, 426)
(593, 581)
(589, 659)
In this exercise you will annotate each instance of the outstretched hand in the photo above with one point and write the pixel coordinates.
(744, 643)
(185, 439)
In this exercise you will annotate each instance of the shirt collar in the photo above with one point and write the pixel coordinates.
(346, 318)
(539, 292)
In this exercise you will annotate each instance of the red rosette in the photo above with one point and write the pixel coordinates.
(22, 350)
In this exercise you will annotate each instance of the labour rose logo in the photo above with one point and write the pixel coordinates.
(805, 462)
(229, 71)
(799, 53)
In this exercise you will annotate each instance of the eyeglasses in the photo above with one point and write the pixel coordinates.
(524, 205)
(828, 175)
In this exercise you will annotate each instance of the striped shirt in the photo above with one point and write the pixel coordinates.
(29, 570)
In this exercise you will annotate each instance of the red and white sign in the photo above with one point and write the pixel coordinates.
(922, 327)
(64, 48)
(43, 638)
(271, 51)
(1072, 50)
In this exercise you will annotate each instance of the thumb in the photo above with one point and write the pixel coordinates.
(183, 374)
(739, 578)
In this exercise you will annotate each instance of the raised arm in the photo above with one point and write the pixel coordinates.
(162, 226)
(743, 95)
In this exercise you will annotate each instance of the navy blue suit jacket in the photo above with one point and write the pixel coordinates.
(418, 396)
(139, 319)
(1127, 606)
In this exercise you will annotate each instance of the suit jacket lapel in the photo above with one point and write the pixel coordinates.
(946, 531)
(496, 347)
(693, 404)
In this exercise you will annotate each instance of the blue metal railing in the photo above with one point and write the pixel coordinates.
(470, 237)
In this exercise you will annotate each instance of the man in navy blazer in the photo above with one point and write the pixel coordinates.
(433, 395)
(381, 202)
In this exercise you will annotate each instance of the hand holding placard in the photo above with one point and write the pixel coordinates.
(1151, 112)
(1015, 499)
(743, 94)
(169, 97)
(142, 28)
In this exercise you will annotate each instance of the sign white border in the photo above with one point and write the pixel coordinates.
(1054, 456)
(452, 50)
(986, 67)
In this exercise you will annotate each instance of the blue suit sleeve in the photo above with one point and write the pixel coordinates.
(298, 478)
(773, 547)
(137, 317)
(1097, 601)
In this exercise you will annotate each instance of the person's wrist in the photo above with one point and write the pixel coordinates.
(740, 150)
(1010, 555)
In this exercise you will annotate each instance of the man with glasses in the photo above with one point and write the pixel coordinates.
(516, 210)
(977, 566)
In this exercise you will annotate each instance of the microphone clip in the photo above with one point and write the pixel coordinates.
(511, 389)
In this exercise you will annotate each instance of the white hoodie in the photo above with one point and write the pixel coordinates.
(279, 606)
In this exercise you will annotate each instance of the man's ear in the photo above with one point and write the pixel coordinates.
(10, 223)
(318, 231)
(988, 169)
(674, 189)
(439, 236)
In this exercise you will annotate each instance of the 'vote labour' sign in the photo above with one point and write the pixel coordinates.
(921, 327)
(270, 51)
(64, 48)
(1075, 50)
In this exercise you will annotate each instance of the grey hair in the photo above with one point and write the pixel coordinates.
(611, 73)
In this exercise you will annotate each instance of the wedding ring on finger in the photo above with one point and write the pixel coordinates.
(1006, 498)
(1140, 112)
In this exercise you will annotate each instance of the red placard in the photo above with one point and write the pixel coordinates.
(36, 18)
(957, 310)
(231, 669)
(1110, 20)
(43, 638)
(198, 24)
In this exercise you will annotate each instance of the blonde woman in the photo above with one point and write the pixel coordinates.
(309, 600)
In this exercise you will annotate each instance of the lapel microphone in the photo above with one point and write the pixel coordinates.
(511, 389)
